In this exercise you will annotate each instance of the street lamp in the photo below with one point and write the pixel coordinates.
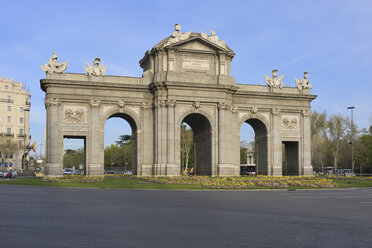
(24, 137)
(352, 138)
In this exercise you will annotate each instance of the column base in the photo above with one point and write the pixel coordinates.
(95, 170)
(276, 170)
(53, 170)
(228, 170)
(308, 170)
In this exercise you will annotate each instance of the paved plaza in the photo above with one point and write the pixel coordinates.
(72, 217)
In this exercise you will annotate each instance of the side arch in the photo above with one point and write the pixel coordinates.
(261, 128)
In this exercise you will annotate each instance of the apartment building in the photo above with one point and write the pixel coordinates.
(15, 119)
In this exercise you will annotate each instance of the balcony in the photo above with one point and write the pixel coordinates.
(21, 135)
(6, 100)
(28, 103)
(9, 134)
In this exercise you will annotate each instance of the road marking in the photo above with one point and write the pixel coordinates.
(355, 196)
(309, 197)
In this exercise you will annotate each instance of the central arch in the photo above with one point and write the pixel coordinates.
(202, 140)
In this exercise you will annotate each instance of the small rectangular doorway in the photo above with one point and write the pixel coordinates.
(74, 155)
(290, 159)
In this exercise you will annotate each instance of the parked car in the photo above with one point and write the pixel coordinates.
(7, 174)
(68, 171)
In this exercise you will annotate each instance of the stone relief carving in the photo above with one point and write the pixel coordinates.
(121, 104)
(275, 82)
(54, 66)
(222, 105)
(213, 38)
(303, 83)
(306, 112)
(172, 103)
(52, 101)
(275, 111)
(177, 36)
(290, 122)
(196, 104)
(74, 116)
(94, 103)
(96, 69)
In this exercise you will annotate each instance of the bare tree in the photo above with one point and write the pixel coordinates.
(334, 133)
(186, 145)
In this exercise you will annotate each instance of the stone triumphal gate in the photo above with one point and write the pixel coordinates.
(186, 78)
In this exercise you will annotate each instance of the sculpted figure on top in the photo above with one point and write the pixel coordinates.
(303, 83)
(177, 35)
(54, 66)
(213, 38)
(96, 69)
(275, 82)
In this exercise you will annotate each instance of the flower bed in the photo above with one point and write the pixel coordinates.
(73, 179)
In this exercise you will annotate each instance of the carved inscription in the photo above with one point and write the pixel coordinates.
(290, 122)
(195, 65)
(75, 116)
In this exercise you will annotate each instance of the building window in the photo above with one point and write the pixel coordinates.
(9, 98)
(20, 144)
(21, 131)
(21, 120)
(6, 87)
(9, 119)
(9, 108)
(8, 131)
(21, 109)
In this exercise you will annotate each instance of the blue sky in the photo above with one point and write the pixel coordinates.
(330, 39)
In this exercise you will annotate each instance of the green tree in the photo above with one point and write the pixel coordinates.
(73, 158)
(364, 153)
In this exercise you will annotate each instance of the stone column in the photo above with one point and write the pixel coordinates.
(172, 168)
(276, 144)
(94, 142)
(225, 149)
(54, 150)
(160, 137)
(306, 168)
(145, 162)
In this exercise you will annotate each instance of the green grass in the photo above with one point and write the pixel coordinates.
(128, 183)
(353, 183)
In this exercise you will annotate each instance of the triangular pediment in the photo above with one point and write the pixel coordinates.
(195, 41)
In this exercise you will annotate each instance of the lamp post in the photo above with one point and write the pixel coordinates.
(24, 137)
(352, 138)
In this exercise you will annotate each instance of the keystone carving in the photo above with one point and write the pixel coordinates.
(254, 110)
(121, 104)
(196, 104)
(54, 66)
(233, 108)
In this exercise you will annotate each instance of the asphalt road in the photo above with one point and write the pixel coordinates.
(67, 217)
